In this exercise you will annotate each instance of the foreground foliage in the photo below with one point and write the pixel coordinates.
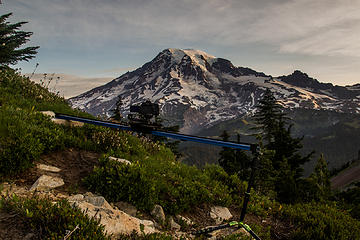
(159, 179)
(54, 220)
(321, 221)
(25, 134)
(155, 177)
(350, 200)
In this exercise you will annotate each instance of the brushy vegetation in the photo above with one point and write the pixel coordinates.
(158, 178)
(350, 200)
(25, 134)
(321, 221)
(54, 220)
(155, 176)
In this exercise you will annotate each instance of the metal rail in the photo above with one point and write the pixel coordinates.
(183, 137)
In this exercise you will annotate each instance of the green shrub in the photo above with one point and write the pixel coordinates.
(54, 219)
(350, 200)
(235, 186)
(25, 135)
(158, 178)
(122, 182)
(262, 205)
(321, 221)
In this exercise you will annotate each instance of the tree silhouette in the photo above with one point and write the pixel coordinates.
(116, 112)
(11, 38)
(286, 161)
(234, 161)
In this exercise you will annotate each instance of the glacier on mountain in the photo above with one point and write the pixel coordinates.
(196, 90)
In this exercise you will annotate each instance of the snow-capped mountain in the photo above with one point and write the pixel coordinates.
(197, 90)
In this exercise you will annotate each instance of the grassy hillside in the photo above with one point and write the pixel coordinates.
(154, 177)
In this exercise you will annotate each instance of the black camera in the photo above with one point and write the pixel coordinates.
(146, 109)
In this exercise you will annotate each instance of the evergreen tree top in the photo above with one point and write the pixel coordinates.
(11, 39)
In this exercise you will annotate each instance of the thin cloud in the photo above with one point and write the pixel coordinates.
(322, 27)
(301, 26)
(68, 85)
(131, 32)
(118, 70)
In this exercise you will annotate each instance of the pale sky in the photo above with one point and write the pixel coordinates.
(104, 39)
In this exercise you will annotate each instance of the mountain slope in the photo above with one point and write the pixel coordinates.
(196, 90)
(336, 135)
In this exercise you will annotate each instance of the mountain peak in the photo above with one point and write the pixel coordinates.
(301, 79)
(299, 73)
(197, 56)
(196, 90)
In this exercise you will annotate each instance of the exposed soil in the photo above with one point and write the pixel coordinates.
(14, 227)
(201, 216)
(74, 165)
(279, 230)
(346, 177)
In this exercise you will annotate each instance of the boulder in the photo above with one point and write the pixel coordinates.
(48, 168)
(116, 222)
(186, 220)
(219, 214)
(60, 121)
(174, 225)
(120, 160)
(45, 183)
(126, 207)
(51, 114)
(75, 124)
(77, 197)
(158, 214)
(69, 123)
(98, 201)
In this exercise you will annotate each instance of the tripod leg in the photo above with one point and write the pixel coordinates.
(250, 184)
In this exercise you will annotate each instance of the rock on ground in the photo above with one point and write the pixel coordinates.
(173, 225)
(158, 213)
(48, 168)
(51, 114)
(219, 214)
(126, 207)
(69, 123)
(120, 160)
(219, 234)
(45, 183)
(186, 220)
(116, 222)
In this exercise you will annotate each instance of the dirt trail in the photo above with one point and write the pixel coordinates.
(74, 165)
(346, 177)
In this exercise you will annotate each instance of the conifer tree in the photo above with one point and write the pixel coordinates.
(11, 39)
(226, 154)
(268, 115)
(321, 177)
(234, 161)
(116, 112)
(286, 160)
